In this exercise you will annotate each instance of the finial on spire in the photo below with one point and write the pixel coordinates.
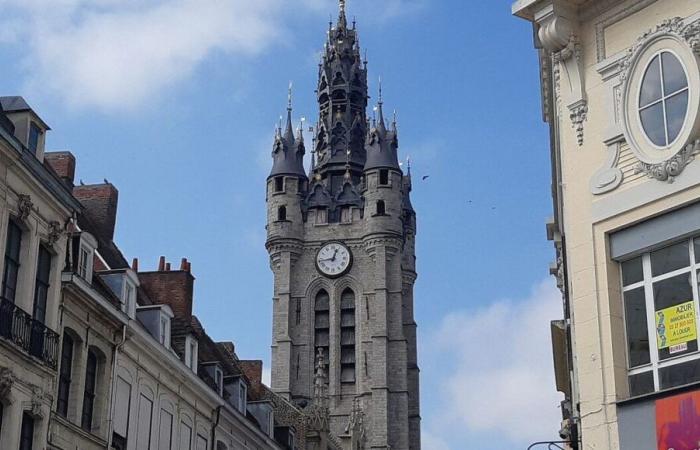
(341, 4)
(289, 96)
(380, 90)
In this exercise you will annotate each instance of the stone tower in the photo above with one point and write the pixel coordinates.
(341, 240)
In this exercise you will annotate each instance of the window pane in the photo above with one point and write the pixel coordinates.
(679, 374)
(26, 439)
(637, 330)
(651, 84)
(632, 271)
(673, 328)
(674, 75)
(676, 111)
(670, 258)
(34, 133)
(653, 124)
(642, 383)
(697, 250)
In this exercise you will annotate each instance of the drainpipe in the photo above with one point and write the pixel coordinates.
(115, 353)
(216, 424)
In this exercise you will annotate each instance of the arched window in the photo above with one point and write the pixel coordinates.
(282, 213)
(322, 321)
(90, 390)
(347, 336)
(65, 375)
(381, 208)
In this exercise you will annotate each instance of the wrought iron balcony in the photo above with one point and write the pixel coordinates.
(32, 336)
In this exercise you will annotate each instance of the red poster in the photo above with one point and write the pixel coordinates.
(678, 422)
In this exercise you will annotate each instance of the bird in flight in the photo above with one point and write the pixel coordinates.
(425, 177)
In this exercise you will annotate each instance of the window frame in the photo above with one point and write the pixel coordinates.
(663, 100)
(34, 130)
(647, 283)
(65, 376)
(28, 423)
(12, 260)
(92, 365)
(42, 283)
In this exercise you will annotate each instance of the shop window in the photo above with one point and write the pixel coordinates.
(661, 305)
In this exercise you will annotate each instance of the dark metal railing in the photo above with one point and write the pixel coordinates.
(30, 335)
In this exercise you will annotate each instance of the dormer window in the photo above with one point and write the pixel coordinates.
(84, 245)
(242, 397)
(215, 371)
(191, 352)
(34, 137)
(123, 283)
(219, 380)
(156, 319)
(129, 300)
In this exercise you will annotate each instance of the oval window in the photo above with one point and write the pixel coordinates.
(663, 99)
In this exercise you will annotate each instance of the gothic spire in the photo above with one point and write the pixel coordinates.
(288, 151)
(343, 98)
(381, 144)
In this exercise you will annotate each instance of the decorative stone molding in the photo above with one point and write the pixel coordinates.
(608, 177)
(683, 38)
(7, 379)
(24, 206)
(558, 37)
(55, 232)
(669, 170)
(613, 17)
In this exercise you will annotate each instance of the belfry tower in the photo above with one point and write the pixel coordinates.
(341, 239)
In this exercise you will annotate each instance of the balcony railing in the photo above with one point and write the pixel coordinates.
(30, 335)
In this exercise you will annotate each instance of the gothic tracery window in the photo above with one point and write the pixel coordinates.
(322, 322)
(347, 337)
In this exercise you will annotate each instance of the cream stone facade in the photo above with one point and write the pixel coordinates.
(621, 94)
(34, 208)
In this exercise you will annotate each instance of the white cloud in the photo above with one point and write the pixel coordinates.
(503, 383)
(118, 54)
(429, 441)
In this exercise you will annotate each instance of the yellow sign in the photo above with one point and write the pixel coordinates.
(675, 327)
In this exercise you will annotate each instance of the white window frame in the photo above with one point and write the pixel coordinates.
(664, 97)
(219, 380)
(648, 284)
(191, 352)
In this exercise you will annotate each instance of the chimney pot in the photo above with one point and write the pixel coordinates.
(161, 264)
(183, 264)
(135, 264)
(167, 267)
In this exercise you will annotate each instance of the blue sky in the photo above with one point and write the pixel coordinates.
(174, 102)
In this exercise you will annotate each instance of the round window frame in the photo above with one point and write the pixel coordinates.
(643, 72)
(637, 138)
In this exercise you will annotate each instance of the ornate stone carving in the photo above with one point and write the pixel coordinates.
(578, 114)
(608, 177)
(670, 169)
(7, 379)
(356, 425)
(557, 35)
(24, 206)
(55, 232)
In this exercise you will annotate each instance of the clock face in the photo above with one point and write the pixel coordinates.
(334, 259)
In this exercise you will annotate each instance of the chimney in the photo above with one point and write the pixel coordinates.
(100, 203)
(63, 163)
(135, 265)
(174, 288)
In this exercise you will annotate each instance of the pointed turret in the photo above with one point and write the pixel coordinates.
(382, 144)
(288, 151)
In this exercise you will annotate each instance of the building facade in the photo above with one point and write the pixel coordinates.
(621, 95)
(341, 239)
(96, 354)
(34, 209)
